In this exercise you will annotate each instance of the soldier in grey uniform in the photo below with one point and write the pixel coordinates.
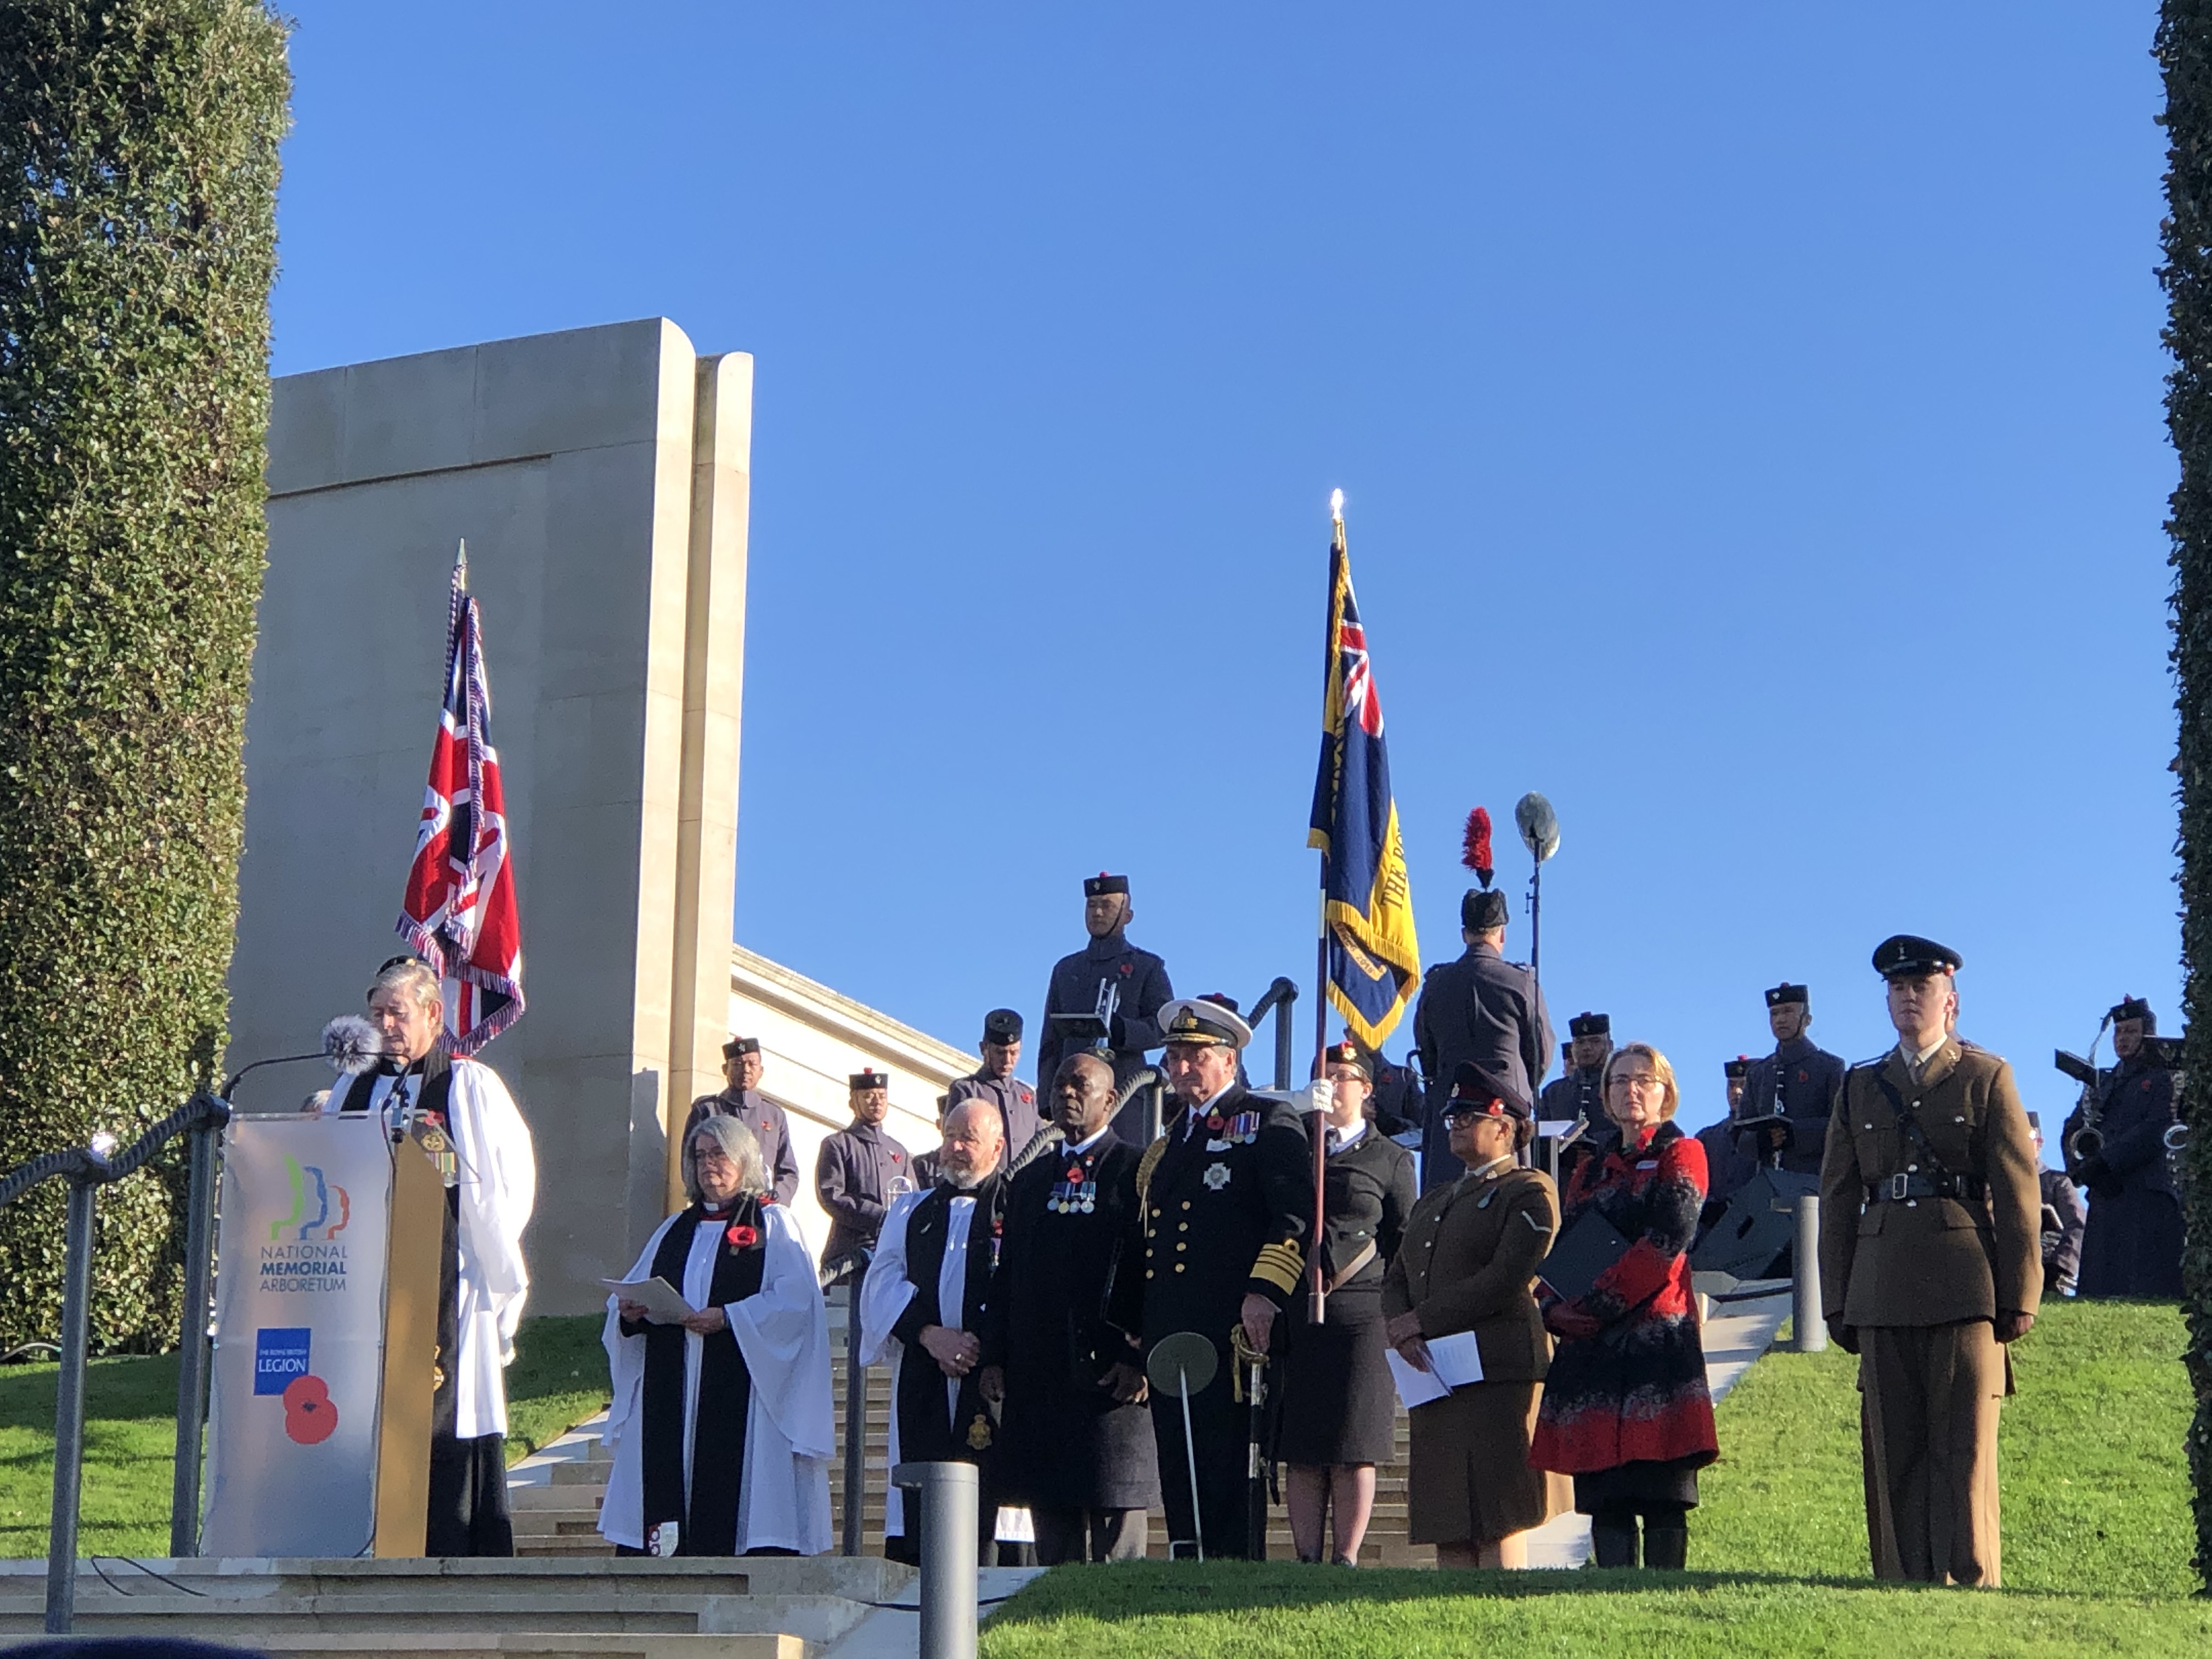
(1729, 1163)
(1798, 1084)
(1140, 980)
(1480, 1010)
(741, 1100)
(2133, 1244)
(2061, 1220)
(859, 1170)
(1581, 1092)
(995, 1081)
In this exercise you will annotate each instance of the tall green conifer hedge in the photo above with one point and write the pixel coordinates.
(2183, 50)
(139, 141)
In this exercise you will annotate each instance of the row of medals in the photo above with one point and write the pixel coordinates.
(1073, 1196)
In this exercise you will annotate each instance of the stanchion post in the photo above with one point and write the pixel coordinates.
(192, 1344)
(69, 1404)
(1808, 1324)
(946, 1495)
(856, 1408)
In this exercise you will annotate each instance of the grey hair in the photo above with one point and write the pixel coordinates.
(412, 975)
(738, 1143)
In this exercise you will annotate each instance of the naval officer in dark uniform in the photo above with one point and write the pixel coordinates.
(859, 1170)
(2133, 1244)
(995, 1081)
(1581, 1092)
(742, 1100)
(1798, 1085)
(1075, 1443)
(1728, 1163)
(1140, 980)
(1483, 1010)
(1225, 1199)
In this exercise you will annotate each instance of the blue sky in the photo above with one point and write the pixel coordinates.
(1749, 415)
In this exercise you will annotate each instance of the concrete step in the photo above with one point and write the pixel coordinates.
(544, 1644)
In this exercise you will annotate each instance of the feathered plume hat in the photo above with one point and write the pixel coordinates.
(1474, 846)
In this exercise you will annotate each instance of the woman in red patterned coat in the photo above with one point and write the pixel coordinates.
(1626, 1409)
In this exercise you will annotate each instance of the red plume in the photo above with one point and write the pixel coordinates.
(1475, 850)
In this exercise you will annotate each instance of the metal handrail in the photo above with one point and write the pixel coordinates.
(853, 1267)
(1281, 999)
(88, 1169)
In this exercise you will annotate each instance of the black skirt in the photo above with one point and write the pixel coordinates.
(1335, 1401)
(1646, 1485)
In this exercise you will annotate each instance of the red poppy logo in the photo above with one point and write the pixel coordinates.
(309, 1416)
(741, 1236)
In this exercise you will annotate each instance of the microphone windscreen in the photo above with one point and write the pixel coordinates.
(352, 1045)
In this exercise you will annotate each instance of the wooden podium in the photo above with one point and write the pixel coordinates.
(410, 1352)
(326, 1340)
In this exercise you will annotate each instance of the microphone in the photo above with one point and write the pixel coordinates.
(350, 1044)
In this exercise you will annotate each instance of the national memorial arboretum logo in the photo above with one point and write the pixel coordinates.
(302, 1255)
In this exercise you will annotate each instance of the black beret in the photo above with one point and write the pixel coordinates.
(1486, 1093)
(1002, 1025)
(1786, 992)
(870, 1080)
(1348, 1052)
(2134, 1008)
(1584, 1025)
(1740, 1067)
(1099, 885)
(1482, 908)
(737, 1046)
(1908, 956)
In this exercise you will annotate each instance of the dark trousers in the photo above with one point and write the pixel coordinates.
(1072, 1534)
(1221, 1429)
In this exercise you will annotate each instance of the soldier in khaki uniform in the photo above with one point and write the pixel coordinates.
(1930, 1260)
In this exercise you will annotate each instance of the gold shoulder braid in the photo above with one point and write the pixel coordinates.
(1147, 1164)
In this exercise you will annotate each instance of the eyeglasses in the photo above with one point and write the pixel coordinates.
(1646, 1083)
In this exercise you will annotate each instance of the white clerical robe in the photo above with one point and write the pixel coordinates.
(783, 1494)
(884, 1296)
(497, 1185)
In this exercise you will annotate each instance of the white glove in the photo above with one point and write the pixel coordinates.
(1319, 1096)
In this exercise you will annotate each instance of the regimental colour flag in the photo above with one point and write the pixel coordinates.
(1374, 961)
(459, 914)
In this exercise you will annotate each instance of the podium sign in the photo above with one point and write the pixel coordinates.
(311, 1210)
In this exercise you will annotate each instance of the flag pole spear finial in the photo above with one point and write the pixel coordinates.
(461, 566)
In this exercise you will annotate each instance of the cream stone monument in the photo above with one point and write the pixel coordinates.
(600, 477)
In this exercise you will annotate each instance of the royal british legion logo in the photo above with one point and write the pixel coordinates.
(279, 1356)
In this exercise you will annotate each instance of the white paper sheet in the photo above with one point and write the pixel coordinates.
(664, 1304)
(1456, 1359)
(1415, 1387)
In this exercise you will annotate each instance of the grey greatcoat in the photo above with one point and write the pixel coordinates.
(858, 1172)
(1076, 981)
(765, 1119)
(1480, 1008)
(1803, 1083)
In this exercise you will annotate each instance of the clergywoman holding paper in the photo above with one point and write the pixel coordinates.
(1626, 1411)
(1469, 1254)
(721, 1426)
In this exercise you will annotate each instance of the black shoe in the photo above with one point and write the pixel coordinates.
(1665, 1549)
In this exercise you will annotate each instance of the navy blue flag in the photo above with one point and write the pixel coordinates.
(1374, 960)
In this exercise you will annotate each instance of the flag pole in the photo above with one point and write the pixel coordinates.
(1317, 1293)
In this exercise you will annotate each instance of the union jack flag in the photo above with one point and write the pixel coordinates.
(459, 915)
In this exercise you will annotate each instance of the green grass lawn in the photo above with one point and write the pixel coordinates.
(2096, 1549)
(559, 1377)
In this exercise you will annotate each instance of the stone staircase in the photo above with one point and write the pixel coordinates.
(556, 1496)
